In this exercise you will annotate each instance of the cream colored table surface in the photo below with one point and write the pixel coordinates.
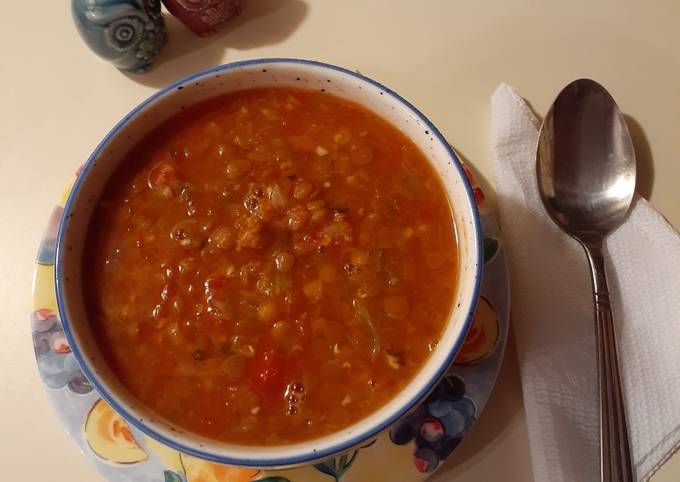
(57, 100)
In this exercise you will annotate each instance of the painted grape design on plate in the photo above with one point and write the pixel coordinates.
(438, 425)
(57, 365)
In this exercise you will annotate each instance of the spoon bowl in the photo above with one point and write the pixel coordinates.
(586, 161)
(585, 166)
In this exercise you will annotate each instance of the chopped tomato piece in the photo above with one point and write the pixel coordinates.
(162, 178)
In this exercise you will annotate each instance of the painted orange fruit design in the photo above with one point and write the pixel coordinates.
(109, 436)
(198, 470)
(482, 337)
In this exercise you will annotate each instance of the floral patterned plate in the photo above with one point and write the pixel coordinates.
(411, 450)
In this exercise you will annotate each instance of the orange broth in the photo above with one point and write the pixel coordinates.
(270, 266)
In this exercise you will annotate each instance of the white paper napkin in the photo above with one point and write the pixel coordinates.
(552, 316)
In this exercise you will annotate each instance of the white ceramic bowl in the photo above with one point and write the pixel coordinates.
(228, 78)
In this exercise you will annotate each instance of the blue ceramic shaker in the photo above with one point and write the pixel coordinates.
(128, 33)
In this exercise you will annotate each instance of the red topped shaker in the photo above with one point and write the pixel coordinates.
(203, 17)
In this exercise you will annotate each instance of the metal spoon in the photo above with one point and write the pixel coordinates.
(586, 178)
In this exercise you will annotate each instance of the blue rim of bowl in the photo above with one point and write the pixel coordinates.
(312, 454)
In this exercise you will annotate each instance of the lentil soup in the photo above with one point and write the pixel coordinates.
(270, 266)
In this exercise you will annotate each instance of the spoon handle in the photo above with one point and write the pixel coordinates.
(615, 463)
